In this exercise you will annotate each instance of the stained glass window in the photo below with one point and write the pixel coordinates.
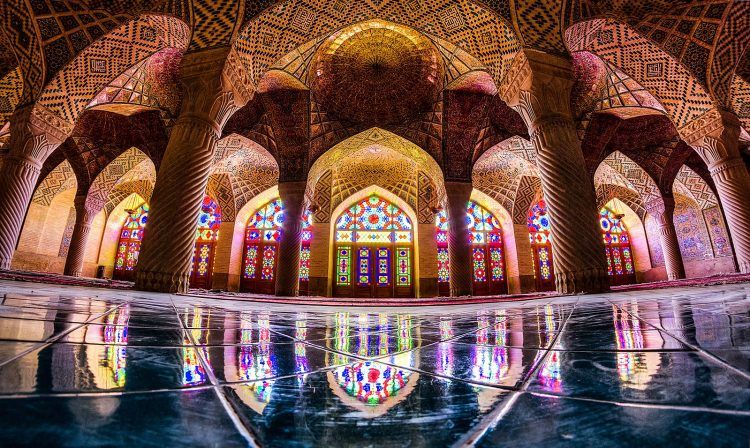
(486, 237)
(617, 245)
(262, 236)
(206, 235)
(374, 220)
(540, 237)
(131, 236)
(373, 237)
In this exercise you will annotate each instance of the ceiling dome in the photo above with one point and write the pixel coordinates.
(377, 73)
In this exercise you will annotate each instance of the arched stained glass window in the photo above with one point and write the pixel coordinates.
(129, 245)
(541, 246)
(617, 247)
(488, 260)
(206, 235)
(374, 246)
(262, 238)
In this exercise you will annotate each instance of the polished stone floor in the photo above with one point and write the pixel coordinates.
(95, 367)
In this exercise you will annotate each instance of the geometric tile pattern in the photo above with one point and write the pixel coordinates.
(691, 229)
(529, 191)
(281, 29)
(676, 88)
(67, 233)
(117, 171)
(498, 172)
(691, 185)
(322, 198)
(11, 89)
(60, 179)
(151, 83)
(74, 86)
(427, 200)
(618, 169)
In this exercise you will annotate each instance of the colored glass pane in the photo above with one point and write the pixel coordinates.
(343, 266)
(251, 258)
(617, 243)
(131, 235)
(480, 273)
(269, 261)
(304, 263)
(443, 267)
(209, 221)
(484, 230)
(363, 266)
(384, 270)
(403, 267)
(373, 220)
(545, 267)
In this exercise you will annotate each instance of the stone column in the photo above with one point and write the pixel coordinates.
(292, 195)
(80, 237)
(210, 98)
(459, 248)
(715, 137)
(663, 212)
(35, 133)
(538, 86)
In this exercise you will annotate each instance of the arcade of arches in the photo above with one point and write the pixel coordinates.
(375, 149)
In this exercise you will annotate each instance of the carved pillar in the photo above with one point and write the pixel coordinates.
(663, 212)
(209, 100)
(292, 195)
(716, 138)
(458, 195)
(80, 237)
(35, 133)
(538, 86)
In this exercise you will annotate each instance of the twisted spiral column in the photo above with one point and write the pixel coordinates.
(79, 239)
(459, 246)
(733, 186)
(663, 212)
(169, 236)
(292, 195)
(18, 178)
(579, 258)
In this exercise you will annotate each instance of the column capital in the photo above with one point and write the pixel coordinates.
(212, 88)
(35, 132)
(538, 86)
(292, 188)
(714, 136)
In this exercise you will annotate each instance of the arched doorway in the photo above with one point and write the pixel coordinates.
(617, 247)
(488, 259)
(541, 246)
(209, 221)
(261, 253)
(374, 251)
(129, 244)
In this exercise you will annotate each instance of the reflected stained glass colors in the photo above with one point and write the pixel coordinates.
(540, 237)
(375, 237)
(486, 237)
(617, 246)
(262, 237)
(131, 236)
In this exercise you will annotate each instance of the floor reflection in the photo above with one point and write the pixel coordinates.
(296, 376)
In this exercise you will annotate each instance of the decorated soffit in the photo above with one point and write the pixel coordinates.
(131, 165)
(151, 83)
(60, 179)
(479, 32)
(365, 145)
(689, 184)
(618, 169)
(674, 86)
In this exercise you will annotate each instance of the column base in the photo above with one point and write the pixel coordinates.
(5, 264)
(743, 266)
(168, 282)
(588, 281)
